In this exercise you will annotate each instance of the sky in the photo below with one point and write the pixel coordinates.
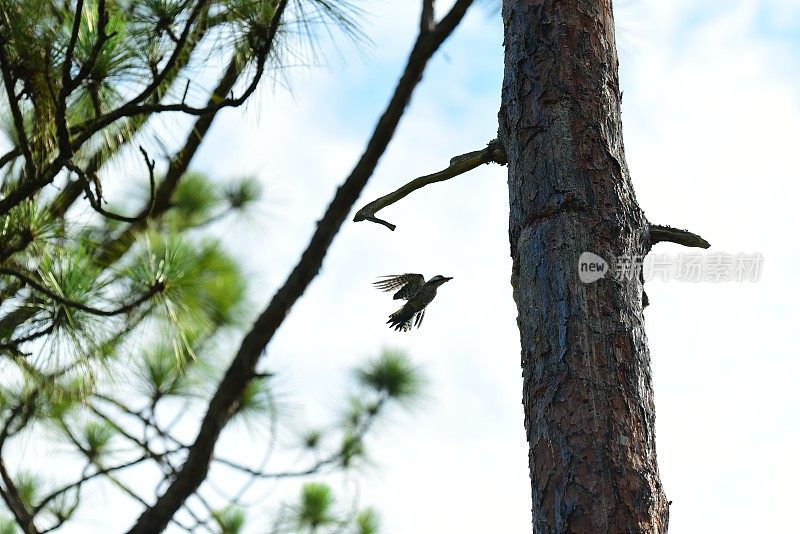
(711, 114)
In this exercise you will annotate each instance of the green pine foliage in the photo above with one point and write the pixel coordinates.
(115, 327)
(368, 522)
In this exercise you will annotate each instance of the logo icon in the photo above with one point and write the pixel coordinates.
(591, 267)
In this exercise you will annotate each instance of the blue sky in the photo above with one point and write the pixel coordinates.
(711, 115)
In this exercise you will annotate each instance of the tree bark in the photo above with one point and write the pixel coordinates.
(587, 390)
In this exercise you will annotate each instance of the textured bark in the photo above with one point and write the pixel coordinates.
(587, 390)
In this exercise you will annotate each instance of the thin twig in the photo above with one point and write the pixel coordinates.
(185, 90)
(10, 494)
(102, 37)
(9, 156)
(96, 199)
(16, 115)
(86, 478)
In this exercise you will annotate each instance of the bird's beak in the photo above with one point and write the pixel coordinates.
(446, 279)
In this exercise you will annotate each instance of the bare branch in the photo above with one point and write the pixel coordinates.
(102, 37)
(10, 156)
(66, 84)
(452, 19)
(96, 199)
(427, 22)
(10, 494)
(458, 165)
(16, 114)
(99, 471)
(675, 235)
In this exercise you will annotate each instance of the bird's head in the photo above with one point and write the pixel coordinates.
(439, 279)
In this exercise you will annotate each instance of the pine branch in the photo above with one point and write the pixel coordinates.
(138, 107)
(317, 466)
(37, 180)
(241, 371)
(41, 288)
(133, 126)
(177, 168)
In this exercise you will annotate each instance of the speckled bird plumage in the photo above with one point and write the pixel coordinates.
(416, 291)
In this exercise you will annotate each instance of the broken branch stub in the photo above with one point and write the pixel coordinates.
(493, 153)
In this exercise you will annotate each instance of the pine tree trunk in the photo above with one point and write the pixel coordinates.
(587, 390)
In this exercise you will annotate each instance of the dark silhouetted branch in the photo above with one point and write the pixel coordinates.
(16, 114)
(66, 83)
(427, 20)
(9, 492)
(10, 156)
(242, 370)
(76, 485)
(96, 199)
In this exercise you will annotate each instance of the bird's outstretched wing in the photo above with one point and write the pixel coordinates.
(408, 283)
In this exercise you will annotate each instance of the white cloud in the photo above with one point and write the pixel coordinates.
(711, 126)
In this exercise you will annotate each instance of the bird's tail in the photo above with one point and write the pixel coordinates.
(401, 320)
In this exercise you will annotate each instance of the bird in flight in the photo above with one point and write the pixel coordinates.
(416, 291)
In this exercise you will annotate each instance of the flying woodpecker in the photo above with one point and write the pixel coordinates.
(414, 289)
